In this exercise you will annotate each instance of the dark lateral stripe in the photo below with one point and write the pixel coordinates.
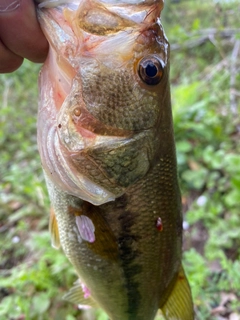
(128, 257)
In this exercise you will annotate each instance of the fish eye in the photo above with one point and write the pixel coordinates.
(150, 70)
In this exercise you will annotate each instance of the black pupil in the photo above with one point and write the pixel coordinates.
(151, 70)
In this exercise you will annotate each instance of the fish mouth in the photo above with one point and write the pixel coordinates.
(57, 3)
(84, 151)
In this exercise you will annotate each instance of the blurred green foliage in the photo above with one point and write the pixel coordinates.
(205, 95)
(205, 62)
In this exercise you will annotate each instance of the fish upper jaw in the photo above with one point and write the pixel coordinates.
(103, 28)
(134, 10)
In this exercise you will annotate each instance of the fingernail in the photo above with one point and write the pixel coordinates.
(9, 5)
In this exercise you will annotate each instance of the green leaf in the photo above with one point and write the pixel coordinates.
(40, 303)
(6, 305)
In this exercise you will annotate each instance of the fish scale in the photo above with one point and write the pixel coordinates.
(117, 111)
(106, 142)
(134, 231)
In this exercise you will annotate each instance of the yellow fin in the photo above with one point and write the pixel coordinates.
(53, 229)
(77, 295)
(179, 305)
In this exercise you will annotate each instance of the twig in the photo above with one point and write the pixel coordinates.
(225, 33)
(233, 74)
(7, 84)
(189, 44)
(217, 68)
(208, 35)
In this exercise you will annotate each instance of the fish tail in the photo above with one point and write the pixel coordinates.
(179, 305)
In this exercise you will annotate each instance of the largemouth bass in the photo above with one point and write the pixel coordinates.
(106, 142)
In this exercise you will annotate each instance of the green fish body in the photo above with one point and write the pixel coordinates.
(106, 142)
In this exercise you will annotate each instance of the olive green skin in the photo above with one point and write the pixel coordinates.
(131, 267)
(116, 131)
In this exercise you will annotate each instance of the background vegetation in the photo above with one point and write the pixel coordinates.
(205, 38)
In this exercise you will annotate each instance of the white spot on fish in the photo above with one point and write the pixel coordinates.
(158, 21)
(83, 307)
(86, 228)
(71, 237)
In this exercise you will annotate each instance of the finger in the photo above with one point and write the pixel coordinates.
(20, 31)
(9, 61)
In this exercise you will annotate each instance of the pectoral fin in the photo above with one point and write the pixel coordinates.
(86, 228)
(94, 229)
(179, 305)
(53, 229)
(77, 295)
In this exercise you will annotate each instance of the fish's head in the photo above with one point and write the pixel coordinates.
(107, 77)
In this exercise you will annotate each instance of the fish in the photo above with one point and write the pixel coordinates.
(106, 142)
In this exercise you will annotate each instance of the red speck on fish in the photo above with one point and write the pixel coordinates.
(159, 224)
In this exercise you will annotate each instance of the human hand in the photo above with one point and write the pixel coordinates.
(20, 35)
